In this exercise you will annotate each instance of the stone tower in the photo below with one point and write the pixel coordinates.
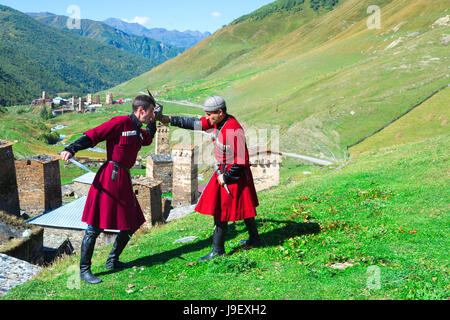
(162, 140)
(80, 105)
(9, 196)
(185, 175)
(160, 167)
(89, 99)
(109, 98)
(148, 194)
(39, 184)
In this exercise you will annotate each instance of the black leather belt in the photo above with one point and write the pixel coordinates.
(116, 169)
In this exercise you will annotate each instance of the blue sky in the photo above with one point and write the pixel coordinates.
(201, 15)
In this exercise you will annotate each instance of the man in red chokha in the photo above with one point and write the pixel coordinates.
(111, 202)
(229, 195)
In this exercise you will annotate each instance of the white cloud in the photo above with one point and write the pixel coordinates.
(216, 14)
(139, 20)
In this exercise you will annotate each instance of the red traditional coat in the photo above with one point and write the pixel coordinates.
(112, 204)
(230, 148)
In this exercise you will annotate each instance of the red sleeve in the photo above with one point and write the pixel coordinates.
(147, 139)
(206, 125)
(106, 131)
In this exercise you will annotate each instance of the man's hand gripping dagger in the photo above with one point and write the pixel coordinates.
(220, 178)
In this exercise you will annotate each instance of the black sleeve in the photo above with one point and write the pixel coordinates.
(82, 143)
(186, 123)
(151, 129)
(235, 172)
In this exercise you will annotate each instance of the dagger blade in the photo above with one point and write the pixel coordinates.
(82, 166)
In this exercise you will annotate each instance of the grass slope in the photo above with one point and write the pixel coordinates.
(323, 77)
(427, 120)
(385, 212)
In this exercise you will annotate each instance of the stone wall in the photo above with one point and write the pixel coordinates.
(9, 196)
(76, 237)
(265, 166)
(81, 189)
(39, 184)
(185, 172)
(160, 167)
(29, 249)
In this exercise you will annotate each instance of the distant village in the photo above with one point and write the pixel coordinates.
(89, 103)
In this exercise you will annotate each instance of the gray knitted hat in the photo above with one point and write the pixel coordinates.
(214, 104)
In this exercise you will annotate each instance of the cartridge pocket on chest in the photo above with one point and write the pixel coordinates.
(128, 138)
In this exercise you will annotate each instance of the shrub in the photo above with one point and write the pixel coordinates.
(49, 138)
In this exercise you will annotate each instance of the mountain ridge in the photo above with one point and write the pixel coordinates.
(146, 47)
(184, 39)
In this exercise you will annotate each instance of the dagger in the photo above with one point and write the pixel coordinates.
(82, 166)
(216, 166)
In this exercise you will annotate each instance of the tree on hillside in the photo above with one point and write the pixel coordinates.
(327, 4)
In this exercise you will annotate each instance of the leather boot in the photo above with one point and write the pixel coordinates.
(113, 259)
(254, 239)
(220, 229)
(87, 249)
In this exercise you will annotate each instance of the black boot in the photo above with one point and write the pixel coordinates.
(220, 229)
(113, 259)
(254, 240)
(87, 249)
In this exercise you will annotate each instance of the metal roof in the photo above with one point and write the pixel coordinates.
(87, 178)
(161, 158)
(66, 217)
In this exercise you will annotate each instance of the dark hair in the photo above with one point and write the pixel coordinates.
(143, 101)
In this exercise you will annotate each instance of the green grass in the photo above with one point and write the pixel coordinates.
(427, 120)
(385, 209)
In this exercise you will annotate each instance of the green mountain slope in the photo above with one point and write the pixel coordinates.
(427, 120)
(35, 57)
(318, 72)
(146, 47)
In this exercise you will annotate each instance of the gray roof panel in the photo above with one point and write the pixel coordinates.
(66, 217)
(87, 178)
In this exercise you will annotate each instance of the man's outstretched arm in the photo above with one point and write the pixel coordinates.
(183, 122)
(82, 143)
